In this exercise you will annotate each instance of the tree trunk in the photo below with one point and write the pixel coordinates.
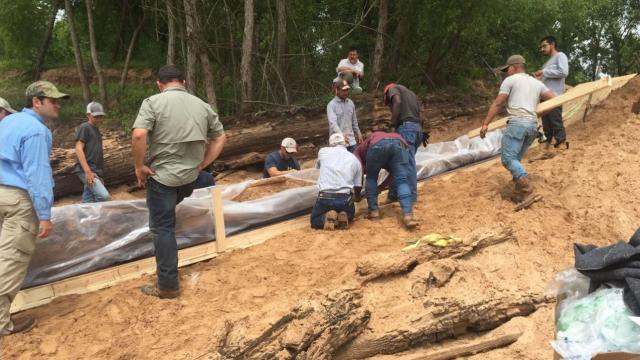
(47, 40)
(281, 45)
(232, 50)
(383, 20)
(102, 84)
(196, 38)
(192, 44)
(171, 36)
(132, 44)
(124, 6)
(86, 90)
(246, 78)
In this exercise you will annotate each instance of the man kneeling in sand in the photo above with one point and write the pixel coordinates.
(340, 182)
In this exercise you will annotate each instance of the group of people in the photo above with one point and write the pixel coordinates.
(180, 135)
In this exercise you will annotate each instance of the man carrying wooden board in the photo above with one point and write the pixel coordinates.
(521, 94)
(185, 136)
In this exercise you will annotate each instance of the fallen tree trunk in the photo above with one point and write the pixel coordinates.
(476, 347)
(310, 331)
(382, 265)
(243, 147)
(445, 319)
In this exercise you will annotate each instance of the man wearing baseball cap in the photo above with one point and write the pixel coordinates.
(89, 152)
(340, 182)
(26, 193)
(521, 94)
(5, 109)
(281, 161)
(341, 113)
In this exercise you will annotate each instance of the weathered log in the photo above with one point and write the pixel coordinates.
(430, 275)
(443, 319)
(243, 147)
(381, 265)
(314, 330)
(476, 347)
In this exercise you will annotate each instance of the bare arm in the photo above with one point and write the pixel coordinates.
(496, 107)
(214, 149)
(82, 159)
(273, 171)
(139, 149)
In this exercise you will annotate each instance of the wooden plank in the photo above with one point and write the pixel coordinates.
(218, 219)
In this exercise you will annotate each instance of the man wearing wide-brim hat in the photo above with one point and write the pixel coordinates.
(521, 94)
(26, 193)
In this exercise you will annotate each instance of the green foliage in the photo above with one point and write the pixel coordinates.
(428, 44)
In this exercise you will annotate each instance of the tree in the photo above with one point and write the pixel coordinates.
(132, 43)
(383, 19)
(86, 90)
(171, 33)
(192, 46)
(102, 84)
(55, 6)
(197, 43)
(281, 45)
(246, 74)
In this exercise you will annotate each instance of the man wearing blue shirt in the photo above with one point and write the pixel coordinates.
(26, 193)
(281, 161)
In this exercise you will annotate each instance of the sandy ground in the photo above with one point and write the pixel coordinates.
(590, 196)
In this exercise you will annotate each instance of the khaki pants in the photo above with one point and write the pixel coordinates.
(18, 231)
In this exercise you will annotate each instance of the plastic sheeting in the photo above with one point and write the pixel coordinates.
(89, 237)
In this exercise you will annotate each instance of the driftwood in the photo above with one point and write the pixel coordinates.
(315, 330)
(476, 347)
(443, 319)
(243, 147)
(430, 275)
(381, 265)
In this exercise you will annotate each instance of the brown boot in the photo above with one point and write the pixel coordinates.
(524, 190)
(152, 290)
(409, 222)
(330, 219)
(22, 325)
(343, 220)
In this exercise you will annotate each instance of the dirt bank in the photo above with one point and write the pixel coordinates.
(590, 195)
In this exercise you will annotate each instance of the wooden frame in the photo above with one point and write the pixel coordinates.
(44, 294)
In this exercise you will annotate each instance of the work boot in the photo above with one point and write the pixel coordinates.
(152, 290)
(409, 222)
(330, 219)
(22, 325)
(343, 220)
(524, 190)
(373, 215)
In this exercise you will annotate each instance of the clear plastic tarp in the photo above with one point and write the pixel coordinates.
(89, 237)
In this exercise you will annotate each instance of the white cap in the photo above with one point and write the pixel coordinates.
(337, 139)
(290, 145)
(95, 109)
(5, 105)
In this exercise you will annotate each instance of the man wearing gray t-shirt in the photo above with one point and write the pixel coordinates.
(521, 94)
(553, 73)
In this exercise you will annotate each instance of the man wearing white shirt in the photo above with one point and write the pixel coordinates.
(340, 183)
(352, 70)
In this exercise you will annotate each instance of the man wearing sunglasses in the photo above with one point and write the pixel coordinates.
(552, 74)
(521, 94)
(26, 193)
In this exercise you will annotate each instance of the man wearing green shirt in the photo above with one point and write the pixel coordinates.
(184, 136)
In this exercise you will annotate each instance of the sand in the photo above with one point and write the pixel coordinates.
(590, 196)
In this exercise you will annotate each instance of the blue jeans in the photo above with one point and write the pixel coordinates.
(515, 143)
(162, 201)
(411, 132)
(394, 156)
(327, 202)
(352, 148)
(93, 193)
